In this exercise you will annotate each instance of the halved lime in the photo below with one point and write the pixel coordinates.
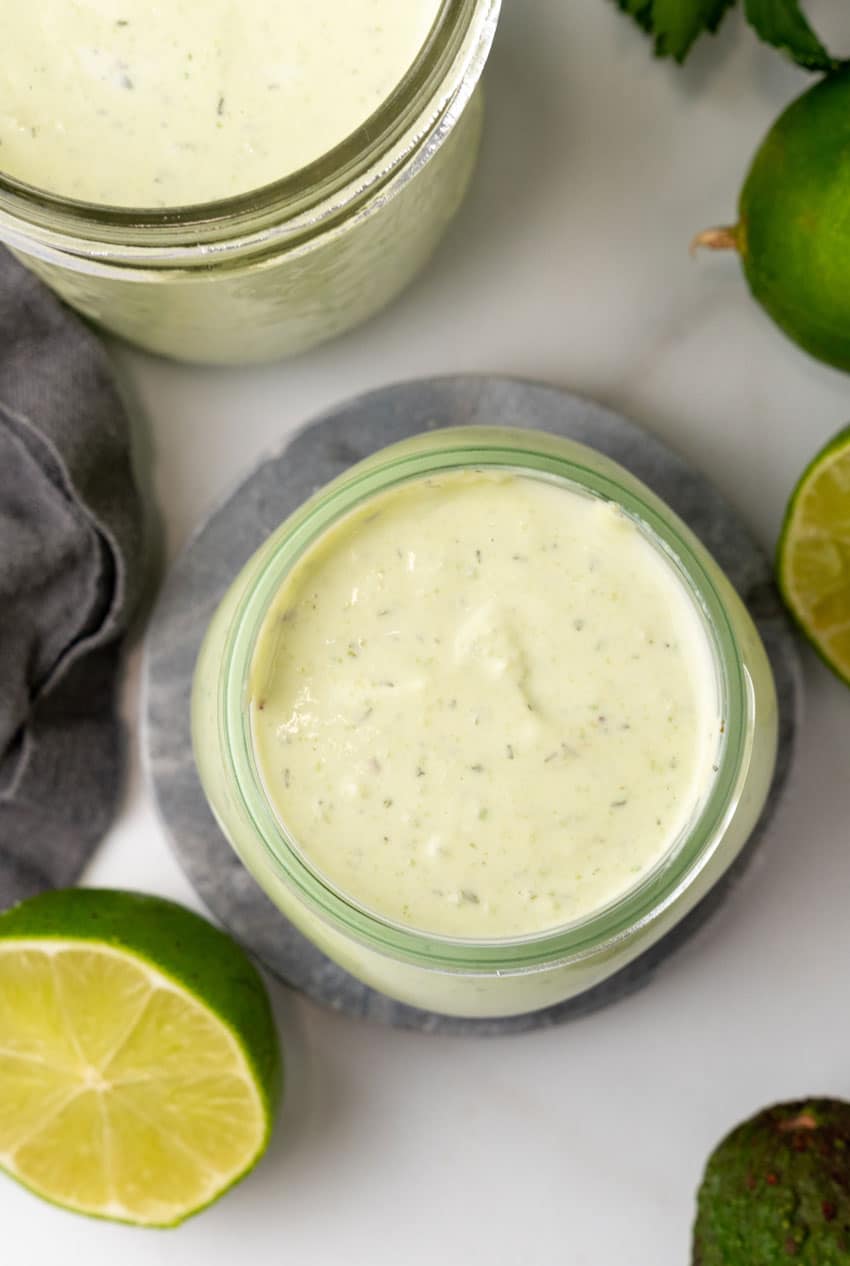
(139, 1062)
(813, 560)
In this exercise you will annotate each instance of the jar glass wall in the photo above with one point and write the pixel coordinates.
(453, 975)
(274, 272)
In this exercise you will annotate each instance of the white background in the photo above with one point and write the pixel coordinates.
(568, 263)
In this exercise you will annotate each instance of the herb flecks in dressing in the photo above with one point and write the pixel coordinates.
(477, 748)
(124, 103)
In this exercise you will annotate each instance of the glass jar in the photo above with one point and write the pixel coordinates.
(495, 977)
(275, 271)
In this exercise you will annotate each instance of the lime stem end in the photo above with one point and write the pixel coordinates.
(722, 238)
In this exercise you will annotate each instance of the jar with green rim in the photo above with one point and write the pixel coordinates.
(477, 968)
(271, 271)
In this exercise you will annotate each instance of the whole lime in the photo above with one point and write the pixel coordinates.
(793, 231)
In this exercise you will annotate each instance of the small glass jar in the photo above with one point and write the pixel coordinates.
(495, 977)
(273, 272)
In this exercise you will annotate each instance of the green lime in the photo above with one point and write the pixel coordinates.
(813, 559)
(776, 1191)
(139, 1061)
(793, 231)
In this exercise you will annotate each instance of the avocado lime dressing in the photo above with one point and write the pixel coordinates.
(129, 103)
(483, 704)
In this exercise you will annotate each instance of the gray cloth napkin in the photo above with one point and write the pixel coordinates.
(71, 571)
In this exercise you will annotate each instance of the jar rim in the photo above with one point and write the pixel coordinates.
(538, 454)
(442, 77)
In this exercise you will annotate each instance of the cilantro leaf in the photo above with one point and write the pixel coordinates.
(781, 23)
(640, 10)
(675, 24)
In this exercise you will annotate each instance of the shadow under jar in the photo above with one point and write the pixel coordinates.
(484, 719)
(270, 271)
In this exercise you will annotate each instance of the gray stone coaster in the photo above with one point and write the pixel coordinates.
(325, 448)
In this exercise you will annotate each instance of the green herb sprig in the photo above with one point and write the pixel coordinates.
(674, 25)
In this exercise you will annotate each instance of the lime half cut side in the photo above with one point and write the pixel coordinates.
(813, 560)
(139, 1063)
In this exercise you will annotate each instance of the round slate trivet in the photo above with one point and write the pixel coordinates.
(322, 450)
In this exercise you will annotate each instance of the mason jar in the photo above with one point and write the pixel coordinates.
(448, 974)
(273, 272)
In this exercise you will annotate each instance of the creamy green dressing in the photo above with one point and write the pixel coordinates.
(484, 705)
(133, 103)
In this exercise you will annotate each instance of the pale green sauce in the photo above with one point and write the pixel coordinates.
(133, 103)
(484, 705)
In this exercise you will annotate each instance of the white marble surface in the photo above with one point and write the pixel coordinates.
(569, 263)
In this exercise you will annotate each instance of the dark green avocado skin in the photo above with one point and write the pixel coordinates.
(776, 1191)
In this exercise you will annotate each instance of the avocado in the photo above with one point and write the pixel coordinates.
(776, 1191)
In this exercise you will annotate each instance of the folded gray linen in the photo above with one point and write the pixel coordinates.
(71, 572)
